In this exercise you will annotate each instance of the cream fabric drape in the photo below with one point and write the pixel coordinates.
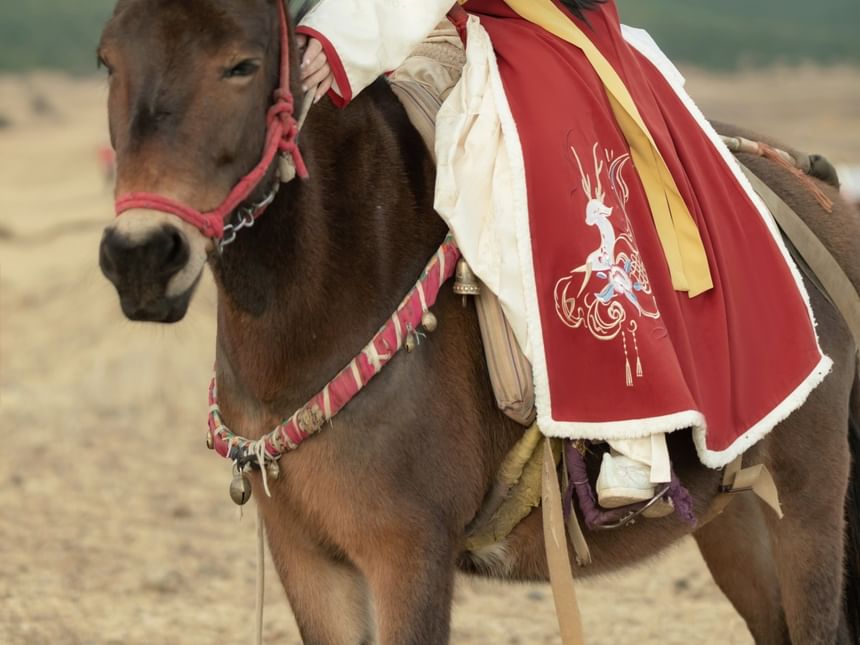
(372, 37)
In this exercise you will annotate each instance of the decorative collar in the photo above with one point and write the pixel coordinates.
(401, 329)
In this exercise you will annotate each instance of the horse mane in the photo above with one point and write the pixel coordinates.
(578, 7)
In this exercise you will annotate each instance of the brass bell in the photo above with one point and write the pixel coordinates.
(429, 322)
(210, 442)
(273, 470)
(240, 488)
(411, 342)
(466, 283)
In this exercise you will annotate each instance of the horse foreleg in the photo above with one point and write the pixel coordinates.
(329, 597)
(736, 548)
(411, 576)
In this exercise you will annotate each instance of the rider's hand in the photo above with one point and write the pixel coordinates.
(315, 69)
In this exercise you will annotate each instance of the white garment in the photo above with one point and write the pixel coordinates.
(372, 37)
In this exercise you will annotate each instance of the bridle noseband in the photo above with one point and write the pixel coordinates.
(281, 132)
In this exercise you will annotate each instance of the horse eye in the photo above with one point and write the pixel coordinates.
(245, 68)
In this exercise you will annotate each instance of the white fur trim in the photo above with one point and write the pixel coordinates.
(629, 429)
(797, 398)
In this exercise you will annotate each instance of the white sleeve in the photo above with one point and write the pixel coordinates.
(365, 38)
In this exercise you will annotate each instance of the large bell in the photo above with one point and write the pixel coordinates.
(466, 283)
(240, 488)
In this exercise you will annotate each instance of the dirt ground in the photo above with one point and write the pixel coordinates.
(115, 524)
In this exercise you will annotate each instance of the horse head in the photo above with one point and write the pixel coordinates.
(190, 84)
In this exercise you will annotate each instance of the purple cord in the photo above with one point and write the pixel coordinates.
(594, 516)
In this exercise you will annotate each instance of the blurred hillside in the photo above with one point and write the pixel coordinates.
(742, 33)
(51, 34)
(62, 34)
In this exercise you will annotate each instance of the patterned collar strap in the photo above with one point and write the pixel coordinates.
(310, 418)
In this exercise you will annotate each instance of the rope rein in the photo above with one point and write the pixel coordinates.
(261, 578)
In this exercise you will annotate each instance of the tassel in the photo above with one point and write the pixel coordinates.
(638, 362)
(774, 155)
(784, 160)
(628, 374)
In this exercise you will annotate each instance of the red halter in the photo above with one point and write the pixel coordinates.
(281, 131)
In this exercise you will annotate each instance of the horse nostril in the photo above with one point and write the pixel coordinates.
(106, 259)
(175, 251)
(126, 260)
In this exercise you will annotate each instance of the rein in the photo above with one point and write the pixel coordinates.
(403, 328)
(281, 132)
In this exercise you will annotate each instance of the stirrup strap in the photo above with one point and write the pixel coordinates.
(558, 560)
(752, 478)
(740, 480)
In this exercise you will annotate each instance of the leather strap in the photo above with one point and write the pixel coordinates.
(740, 480)
(558, 560)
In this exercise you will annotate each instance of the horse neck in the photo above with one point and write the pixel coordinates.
(304, 290)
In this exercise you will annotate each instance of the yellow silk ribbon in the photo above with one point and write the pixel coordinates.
(678, 233)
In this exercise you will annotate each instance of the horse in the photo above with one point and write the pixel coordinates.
(366, 521)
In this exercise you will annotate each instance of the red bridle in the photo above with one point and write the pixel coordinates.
(281, 131)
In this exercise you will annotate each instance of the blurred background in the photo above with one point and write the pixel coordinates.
(115, 524)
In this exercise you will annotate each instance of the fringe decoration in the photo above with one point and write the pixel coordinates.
(774, 155)
(783, 160)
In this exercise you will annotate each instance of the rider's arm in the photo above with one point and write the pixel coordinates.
(361, 39)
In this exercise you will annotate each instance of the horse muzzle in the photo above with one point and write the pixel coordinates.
(153, 266)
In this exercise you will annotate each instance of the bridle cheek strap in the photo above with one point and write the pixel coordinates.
(281, 133)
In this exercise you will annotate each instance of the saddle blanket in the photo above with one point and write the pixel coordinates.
(538, 180)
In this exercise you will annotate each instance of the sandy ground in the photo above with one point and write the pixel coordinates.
(115, 525)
